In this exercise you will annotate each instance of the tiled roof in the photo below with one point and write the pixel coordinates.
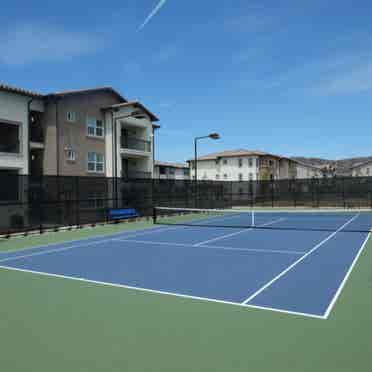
(306, 164)
(361, 164)
(234, 153)
(89, 90)
(23, 92)
(134, 104)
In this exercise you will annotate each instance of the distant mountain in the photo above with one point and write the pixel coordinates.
(342, 166)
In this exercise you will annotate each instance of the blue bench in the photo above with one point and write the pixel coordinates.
(122, 214)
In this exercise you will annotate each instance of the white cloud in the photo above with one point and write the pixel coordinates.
(153, 13)
(33, 43)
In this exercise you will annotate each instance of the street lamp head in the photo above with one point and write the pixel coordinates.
(214, 136)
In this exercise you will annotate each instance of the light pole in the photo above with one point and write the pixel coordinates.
(214, 136)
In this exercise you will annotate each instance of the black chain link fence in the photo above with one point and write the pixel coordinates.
(50, 202)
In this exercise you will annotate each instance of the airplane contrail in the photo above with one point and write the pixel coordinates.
(153, 13)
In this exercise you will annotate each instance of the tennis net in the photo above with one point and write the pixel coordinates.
(313, 220)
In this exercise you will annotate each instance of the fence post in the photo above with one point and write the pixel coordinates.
(41, 206)
(77, 201)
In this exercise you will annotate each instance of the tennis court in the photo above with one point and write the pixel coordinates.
(292, 262)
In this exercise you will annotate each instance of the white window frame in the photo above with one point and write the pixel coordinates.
(93, 127)
(95, 162)
(71, 116)
(70, 155)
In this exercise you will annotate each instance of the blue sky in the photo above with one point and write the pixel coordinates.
(289, 77)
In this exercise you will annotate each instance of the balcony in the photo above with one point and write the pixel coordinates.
(36, 129)
(133, 143)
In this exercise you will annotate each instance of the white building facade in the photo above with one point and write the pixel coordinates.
(242, 165)
(362, 170)
(171, 171)
(304, 171)
(130, 137)
(15, 107)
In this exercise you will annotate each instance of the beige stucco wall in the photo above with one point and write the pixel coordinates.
(74, 134)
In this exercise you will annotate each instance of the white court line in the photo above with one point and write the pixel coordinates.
(250, 298)
(343, 283)
(146, 290)
(12, 258)
(218, 247)
(124, 232)
(280, 251)
(39, 253)
(236, 233)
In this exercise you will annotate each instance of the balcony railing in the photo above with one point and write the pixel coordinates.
(134, 143)
(10, 148)
(136, 175)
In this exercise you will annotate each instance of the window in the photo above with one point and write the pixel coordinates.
(186, 172)
(225, 161)
(367, 171)
(240, 162)
(172, 171)
(218, 161)
(250, 162)
(240, 177)
(271, 163)
(162, 170)
(70, 155)
(9, 137)
(95, 162)
(95, 127)
(225, 176)
(217, 176)
(250, 176)
(71, 116)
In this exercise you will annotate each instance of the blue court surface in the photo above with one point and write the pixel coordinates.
(294, 271)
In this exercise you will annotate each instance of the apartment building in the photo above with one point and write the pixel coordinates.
(242, 165)
(307, 171)
(171, 171)
(362, 170)
(91, 132)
